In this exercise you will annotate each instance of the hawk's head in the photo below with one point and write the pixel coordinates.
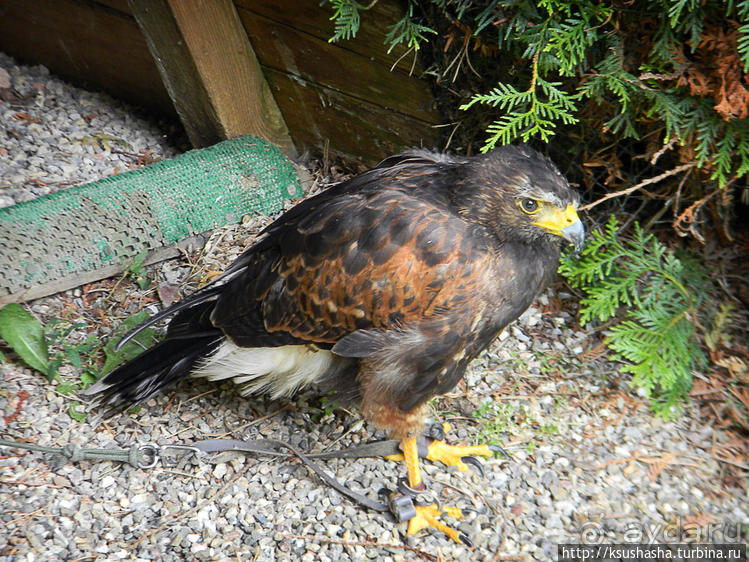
(517, 190)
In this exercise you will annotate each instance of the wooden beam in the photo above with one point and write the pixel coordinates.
(210, 71)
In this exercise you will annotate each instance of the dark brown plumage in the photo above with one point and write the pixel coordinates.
(385, 286)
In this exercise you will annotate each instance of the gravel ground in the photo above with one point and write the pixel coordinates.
(54, 135)
(588, 461)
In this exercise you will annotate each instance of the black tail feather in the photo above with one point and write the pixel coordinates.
(185, 306)
(150, 373)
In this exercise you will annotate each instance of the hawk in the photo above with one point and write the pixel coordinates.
(384, 287)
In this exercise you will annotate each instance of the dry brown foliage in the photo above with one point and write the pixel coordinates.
(715, 70)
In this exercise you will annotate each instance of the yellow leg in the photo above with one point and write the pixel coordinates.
(411, 456)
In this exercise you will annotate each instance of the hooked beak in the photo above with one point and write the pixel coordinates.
(564, 223)
(575, 234)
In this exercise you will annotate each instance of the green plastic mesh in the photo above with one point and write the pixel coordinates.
(103, 223)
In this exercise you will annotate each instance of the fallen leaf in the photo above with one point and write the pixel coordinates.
(735, 365)
(168, 293)
(699, 519)
(134, 347)
(25, 117)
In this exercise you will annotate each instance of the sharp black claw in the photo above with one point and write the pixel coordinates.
(384, 493)
(471, 509)
(465, 540)
(498, 449)
(473, 461)
(405, 489)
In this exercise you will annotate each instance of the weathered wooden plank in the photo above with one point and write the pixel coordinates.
(310, 17)
(210, 70)
(86, 43)
(315, 60)
(356, 129)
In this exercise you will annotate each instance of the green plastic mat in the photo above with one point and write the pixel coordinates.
(101, 226)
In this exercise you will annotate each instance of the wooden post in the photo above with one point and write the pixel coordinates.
(210, 71)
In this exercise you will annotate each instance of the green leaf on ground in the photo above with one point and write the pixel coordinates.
(25, 335)
(77, 414)
(133, 348)
(67, 387)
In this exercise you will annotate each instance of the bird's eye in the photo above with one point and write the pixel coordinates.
(530, 206)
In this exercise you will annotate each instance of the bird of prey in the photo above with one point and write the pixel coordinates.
(384, 287)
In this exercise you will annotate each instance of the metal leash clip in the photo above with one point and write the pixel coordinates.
(150, 454)
(403, 501)
(401, 506)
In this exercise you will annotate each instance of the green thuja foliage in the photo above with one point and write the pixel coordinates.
(654, 299)
(532, 112)
(346, 17)
(408, 32)
(672, 72)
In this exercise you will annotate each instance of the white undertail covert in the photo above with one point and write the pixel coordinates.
(277, 371)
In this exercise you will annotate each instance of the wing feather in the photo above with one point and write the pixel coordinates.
(375, 257)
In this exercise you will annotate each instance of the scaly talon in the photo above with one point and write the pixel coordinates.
(428, 516)
(437, 431)
(453, 455)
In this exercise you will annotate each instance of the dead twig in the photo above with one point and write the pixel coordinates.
(665, 148)
(250, 423)
(642, 184)
(687, 216)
